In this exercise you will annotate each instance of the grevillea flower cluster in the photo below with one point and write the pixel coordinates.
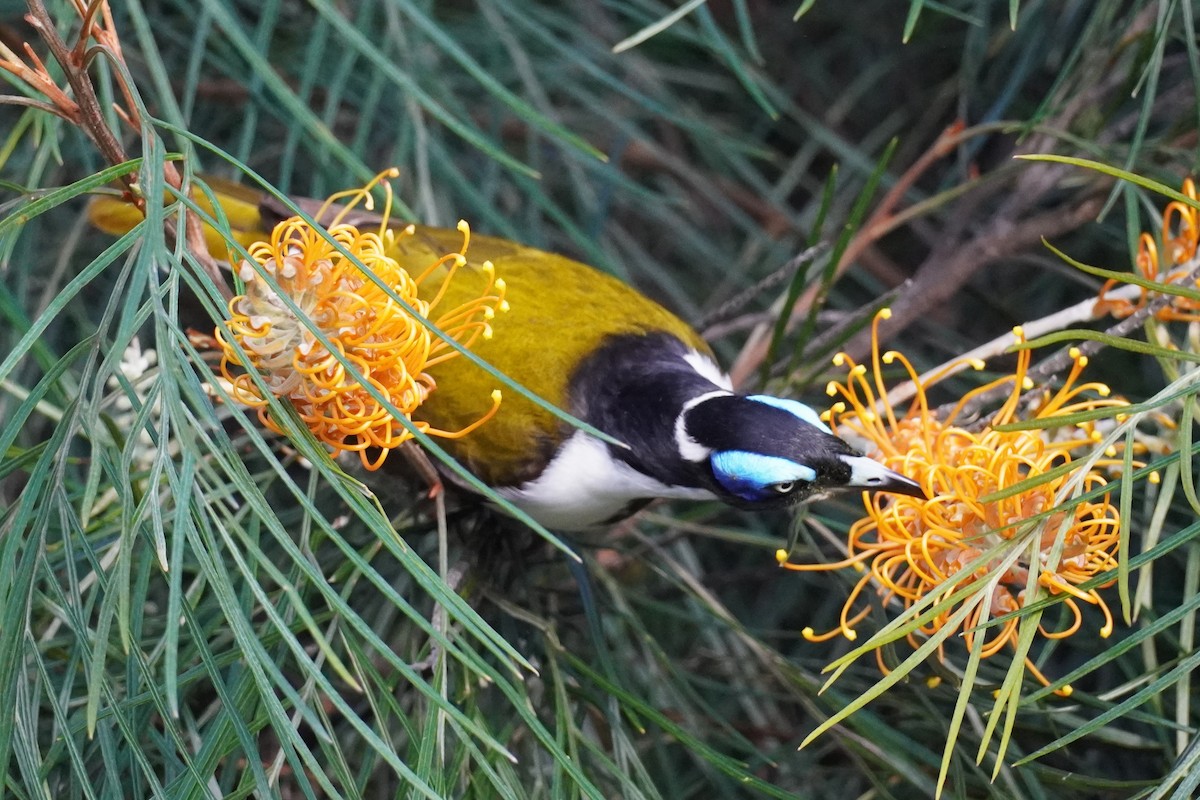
(1180, 237)
(1008, 550)
(320, 313)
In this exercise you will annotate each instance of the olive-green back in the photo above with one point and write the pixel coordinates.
(559, 311)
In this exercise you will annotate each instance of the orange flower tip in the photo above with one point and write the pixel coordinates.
(1065, 691)
(839, 359)
(1154, 477)
(1075, 354)
(890, 356)
(809, 634)
(781, 557)
(932, 682)
(831, 388)
(884, 313)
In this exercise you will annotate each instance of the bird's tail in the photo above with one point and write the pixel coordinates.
(240, 206)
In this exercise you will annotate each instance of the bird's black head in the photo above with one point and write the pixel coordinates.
(767, 452)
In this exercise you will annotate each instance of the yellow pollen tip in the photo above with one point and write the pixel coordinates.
(826, 416)
(1111, 452)
(1121, 417)
(885, 313)
(1065, 691)
(839, 359)
(487, 333)
(459, 260)
(1018, 332)
(1074, 353)
(858, 567)
(503, 304)
(497, 395)
(1154, 477)
(859, 370)
(1106, 631)
(850, 633)
(410, 229)
(977, 364)
(1027, 383)
(781, 556)
(890, 356)
(500, 284)
(808, 633)
(463, 227)
(932, 682)
(1103, 390)
(831, 388)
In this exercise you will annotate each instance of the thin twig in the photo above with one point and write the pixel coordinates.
(732, 307)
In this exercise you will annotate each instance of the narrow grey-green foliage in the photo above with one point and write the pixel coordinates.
(192, 607)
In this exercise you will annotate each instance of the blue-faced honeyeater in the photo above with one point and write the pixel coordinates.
(591, 345)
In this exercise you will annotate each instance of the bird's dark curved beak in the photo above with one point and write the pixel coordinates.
(869, 474)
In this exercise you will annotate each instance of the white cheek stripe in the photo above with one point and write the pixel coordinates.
(689, 448)
(707, 368)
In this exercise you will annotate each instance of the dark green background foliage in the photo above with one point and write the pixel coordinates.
(186, 609)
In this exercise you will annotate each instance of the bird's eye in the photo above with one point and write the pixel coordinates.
(785, 487)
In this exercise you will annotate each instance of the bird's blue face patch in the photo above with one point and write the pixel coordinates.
(755, 477)
(793, 407)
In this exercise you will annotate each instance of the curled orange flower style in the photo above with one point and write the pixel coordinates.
(964, 535)
(320, 313)
(1180, 237)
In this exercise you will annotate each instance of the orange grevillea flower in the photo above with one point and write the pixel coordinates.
(362, 325)
(1180, 237)
(908, 548)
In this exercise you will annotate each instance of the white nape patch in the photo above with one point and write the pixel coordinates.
(707, 368)
(794, 407)
(584, 486)
(866, 473)
(689, 448)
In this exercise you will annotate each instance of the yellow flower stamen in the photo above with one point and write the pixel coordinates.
(360, 322)
(1180, 236)
(914, 547)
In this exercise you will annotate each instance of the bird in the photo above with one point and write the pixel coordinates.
(597, 348)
